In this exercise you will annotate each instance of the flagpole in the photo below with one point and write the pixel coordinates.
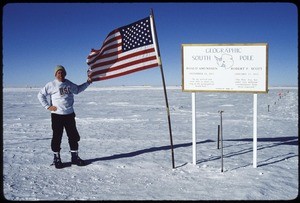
(165, 91)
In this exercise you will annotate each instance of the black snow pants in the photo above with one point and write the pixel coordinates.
(59, 122)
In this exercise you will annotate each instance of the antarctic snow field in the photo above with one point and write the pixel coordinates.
(125, 141)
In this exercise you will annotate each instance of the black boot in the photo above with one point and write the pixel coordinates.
(57, 161)
(76, 159)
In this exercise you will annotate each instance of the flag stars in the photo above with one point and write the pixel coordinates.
(136, 35)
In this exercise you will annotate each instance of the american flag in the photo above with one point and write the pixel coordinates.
(125, 50)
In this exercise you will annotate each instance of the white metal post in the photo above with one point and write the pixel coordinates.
(221, 136)
(254, 130)
(194, 126)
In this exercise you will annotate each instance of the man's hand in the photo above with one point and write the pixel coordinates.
(89, 80)
(52, 108)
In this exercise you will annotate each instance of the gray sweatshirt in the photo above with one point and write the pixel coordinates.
(61, 95)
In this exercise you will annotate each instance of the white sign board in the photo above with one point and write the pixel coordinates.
(225, 67)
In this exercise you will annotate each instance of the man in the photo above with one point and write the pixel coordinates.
(61, 102)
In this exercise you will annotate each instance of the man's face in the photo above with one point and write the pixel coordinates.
(60, 75)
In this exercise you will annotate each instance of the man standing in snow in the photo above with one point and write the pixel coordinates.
(61, 102)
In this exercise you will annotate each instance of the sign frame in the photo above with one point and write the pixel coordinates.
(223, 46)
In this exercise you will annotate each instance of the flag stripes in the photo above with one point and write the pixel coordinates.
(125, 50)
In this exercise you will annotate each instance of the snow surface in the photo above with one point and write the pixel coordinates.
(125, 140)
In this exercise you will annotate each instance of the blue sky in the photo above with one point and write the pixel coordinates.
(38, 36)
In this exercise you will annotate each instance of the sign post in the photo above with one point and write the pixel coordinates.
(254, 130)
(225, 68)
(194, 127)
(221, 136)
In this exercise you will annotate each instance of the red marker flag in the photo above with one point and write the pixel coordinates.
(125, 50)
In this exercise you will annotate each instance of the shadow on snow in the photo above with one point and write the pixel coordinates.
(143, 151)
(270, 143)
(291, 140)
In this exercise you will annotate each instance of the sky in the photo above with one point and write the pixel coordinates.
(39, 36)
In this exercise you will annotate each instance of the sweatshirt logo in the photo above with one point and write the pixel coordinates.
(64, 90)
